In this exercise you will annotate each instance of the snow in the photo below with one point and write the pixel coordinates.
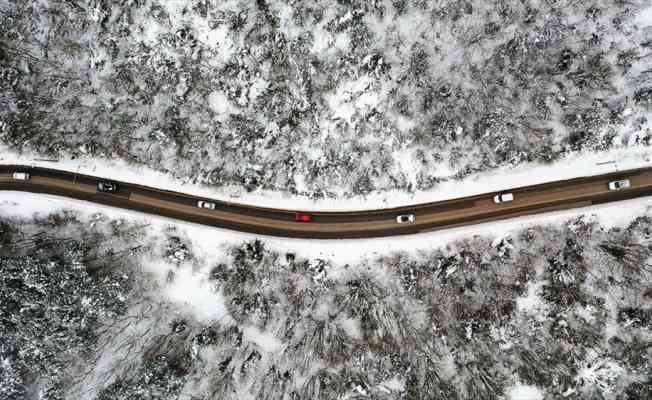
(257, 88)
(220, 104)
(266, 341)
(644, 18)
(611, 324)
(404, 124)
(174, 9)
(345, 96)
(351, 327)
(601, 372)
(189, 290)
(405, 158)
(524, 392)
(346, 251)
(342, 41)
(219, 37)
(531, 304)
(322, 40)
(284, 13)
(580, 164)
(214, 241)
(586, 313)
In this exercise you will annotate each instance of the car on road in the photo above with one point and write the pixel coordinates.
(206, 204)
(21, 176)
(405, 218)
(107, 187)
(503, 198)
(619, 185)
(302, 217)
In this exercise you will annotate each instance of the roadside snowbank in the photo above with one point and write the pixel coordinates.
(339, 251)
(524, 392)
(581, 164)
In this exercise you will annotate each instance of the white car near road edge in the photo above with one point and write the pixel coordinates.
(503, 198)
(619, 185)
(21, 176)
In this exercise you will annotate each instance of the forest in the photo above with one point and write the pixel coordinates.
(563, 309)
(324, 98)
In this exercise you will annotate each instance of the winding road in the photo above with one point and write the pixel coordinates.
(559, 195)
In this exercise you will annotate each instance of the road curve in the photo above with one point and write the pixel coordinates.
(572, 193)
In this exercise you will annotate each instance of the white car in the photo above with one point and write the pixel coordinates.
(206, 204)
(503, 198)
(21, 176)
(618, 185)
(405, 218)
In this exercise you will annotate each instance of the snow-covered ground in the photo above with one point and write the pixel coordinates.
(338, 251)
(582, 164)
(524, 392)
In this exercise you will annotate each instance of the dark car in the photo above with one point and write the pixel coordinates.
(620, 185)
(107, 187)
(405, 219)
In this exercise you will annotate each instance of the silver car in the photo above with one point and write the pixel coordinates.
(21, 176)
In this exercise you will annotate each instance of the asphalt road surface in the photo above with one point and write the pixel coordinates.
(560, 195)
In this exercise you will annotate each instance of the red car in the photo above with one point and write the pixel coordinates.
(301, 217)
